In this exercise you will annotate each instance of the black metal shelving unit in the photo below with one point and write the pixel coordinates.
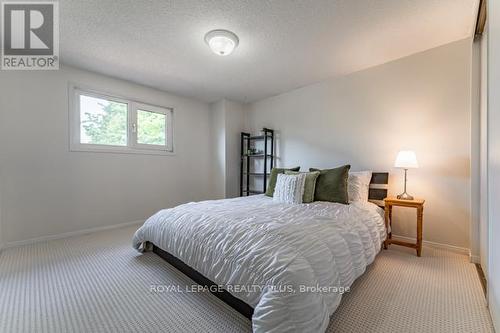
(268, 159)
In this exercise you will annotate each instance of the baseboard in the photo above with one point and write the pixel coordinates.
(69, 234)
(475, 259)
(453, 248)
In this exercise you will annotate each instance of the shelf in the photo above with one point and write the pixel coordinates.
(261, 159)
(253, 192)
(259, 137)
(257, 155)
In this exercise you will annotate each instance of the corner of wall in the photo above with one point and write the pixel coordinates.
(1, 227)
(235, 124)
(493, 83)
(218, 133)
(1, 235)
(2, 243)
(474, 150)
(227, 121)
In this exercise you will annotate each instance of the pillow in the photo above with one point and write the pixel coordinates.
(332, 185)
(289, 188)
(272, 179)
(358, 185)
(309, 186)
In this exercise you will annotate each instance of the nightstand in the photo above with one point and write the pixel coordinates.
(418, 204)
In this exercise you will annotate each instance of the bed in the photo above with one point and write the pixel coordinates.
(285, 266)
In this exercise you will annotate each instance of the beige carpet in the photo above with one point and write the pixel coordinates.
(98, 283)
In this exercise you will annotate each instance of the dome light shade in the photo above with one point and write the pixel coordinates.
(221, 42)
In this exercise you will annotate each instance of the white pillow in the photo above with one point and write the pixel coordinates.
(358, 185)
(289, 188)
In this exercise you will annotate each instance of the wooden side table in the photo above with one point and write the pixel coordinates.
(416, 203)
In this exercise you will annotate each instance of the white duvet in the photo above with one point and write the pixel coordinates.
(289, 262)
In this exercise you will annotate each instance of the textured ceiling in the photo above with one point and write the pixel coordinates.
(284, 44)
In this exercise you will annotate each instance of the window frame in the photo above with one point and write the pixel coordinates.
(133, 106)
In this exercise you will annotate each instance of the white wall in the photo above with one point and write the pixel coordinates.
(483, 152)
(47, 190)
(235, 124)
(421, 102)
(228, 121)
(1, 212)
(2, 236)
(475, 151)
(218, 139)
(494, 160)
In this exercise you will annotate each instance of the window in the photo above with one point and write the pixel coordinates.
(111, 124)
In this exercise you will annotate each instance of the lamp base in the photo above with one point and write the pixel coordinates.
(405, 196)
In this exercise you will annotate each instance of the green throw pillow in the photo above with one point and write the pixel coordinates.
(309, 186)
(274, 176)
(332, 185)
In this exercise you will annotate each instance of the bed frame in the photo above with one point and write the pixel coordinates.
(197, 277)
(377, 193)
(378, 188)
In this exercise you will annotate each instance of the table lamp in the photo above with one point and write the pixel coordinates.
(406, 159)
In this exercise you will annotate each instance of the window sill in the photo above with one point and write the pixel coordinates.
(118, 150)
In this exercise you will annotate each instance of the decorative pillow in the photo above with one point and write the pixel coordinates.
(272, 179)
(332, 185)
(289, 188)
(358, 185)
(309, 186)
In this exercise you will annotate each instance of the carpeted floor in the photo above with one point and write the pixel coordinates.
(98, 283)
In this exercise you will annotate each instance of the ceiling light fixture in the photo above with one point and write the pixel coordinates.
(221, 42)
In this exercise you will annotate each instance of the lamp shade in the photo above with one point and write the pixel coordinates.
(406, 159)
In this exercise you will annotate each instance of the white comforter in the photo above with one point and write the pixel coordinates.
(273, 256)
